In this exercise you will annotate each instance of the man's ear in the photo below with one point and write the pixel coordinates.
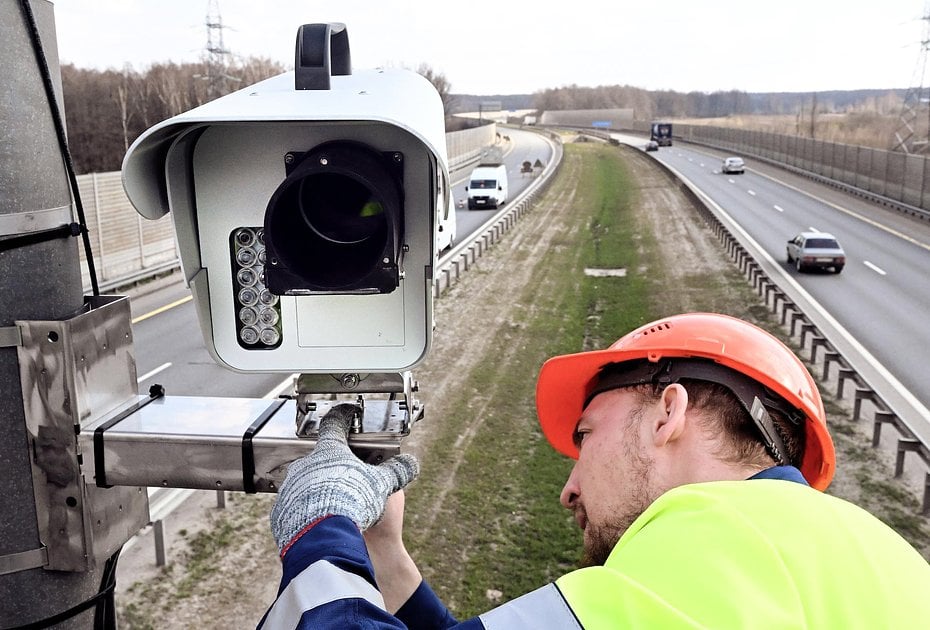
(671, 420)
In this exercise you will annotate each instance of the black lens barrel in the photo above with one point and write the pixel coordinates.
(334, 224)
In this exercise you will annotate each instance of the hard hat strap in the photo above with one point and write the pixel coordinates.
(754, 397)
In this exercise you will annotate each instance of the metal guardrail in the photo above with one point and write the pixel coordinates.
(888, 202)
(899, 180)
(812, 336)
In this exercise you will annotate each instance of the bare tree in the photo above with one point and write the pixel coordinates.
(126, 87)
(440, 82)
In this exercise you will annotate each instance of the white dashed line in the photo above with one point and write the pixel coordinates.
(163, 366)
(874, 268)
(752, 192)
(779, 208)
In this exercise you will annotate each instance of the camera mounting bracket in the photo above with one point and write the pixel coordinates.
(388, 417)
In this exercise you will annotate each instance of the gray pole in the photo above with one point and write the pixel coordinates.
(38, 281)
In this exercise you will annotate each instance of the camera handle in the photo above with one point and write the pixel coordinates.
(322, 51)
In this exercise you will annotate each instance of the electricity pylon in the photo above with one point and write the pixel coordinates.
(913, 132)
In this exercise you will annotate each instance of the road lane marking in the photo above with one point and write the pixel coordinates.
(779, 208)
(160, 368)
(162, 309)
(752, 192)
(882, 372)
(852, 213)
(874, 268)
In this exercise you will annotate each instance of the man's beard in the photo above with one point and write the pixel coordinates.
(601, 539)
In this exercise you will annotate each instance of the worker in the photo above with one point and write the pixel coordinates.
(702, 455)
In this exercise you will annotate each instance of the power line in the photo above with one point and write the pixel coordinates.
(216, 54)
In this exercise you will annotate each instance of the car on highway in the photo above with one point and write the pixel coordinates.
(733, 165)
(816, 250)
(652, 145)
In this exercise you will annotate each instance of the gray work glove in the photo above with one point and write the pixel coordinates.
(333, 481)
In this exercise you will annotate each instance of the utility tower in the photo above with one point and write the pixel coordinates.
(913, 132)
(216, 54)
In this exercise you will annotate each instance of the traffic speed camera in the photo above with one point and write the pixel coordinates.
(306, 209)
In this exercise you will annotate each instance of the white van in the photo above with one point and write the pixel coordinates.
(487, 186)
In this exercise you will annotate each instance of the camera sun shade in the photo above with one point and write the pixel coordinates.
(334, 224)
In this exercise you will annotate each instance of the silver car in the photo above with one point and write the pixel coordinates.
(816, 250)
(733, 165)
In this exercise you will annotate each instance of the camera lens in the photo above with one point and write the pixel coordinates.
(340, 210)
(335, 223)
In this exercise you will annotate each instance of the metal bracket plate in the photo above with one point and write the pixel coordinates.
(72, 372)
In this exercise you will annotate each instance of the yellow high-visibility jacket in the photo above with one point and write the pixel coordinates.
(765, 553)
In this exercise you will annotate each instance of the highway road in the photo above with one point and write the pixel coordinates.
(523, 146)
(881, 298)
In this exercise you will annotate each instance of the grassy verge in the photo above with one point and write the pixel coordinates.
(500, 532)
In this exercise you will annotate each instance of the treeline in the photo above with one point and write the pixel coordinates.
(648, 104)
(106, 110)
(645, 103)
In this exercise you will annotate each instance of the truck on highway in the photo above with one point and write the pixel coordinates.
(487, 187)
(661, 132)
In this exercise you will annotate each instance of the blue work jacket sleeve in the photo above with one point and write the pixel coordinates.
(328, 582)
(425, 611)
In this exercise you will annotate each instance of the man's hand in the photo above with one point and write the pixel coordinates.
(333, 481)
(395, 572)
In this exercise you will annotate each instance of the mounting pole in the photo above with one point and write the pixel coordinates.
(41, 279)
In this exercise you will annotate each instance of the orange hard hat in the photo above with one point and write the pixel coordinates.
(567, 382)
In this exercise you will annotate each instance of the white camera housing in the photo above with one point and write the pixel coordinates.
(344, 185)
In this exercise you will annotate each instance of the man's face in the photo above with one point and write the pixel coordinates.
(612, 482)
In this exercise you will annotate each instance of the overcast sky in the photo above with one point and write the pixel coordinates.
(506, 47)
